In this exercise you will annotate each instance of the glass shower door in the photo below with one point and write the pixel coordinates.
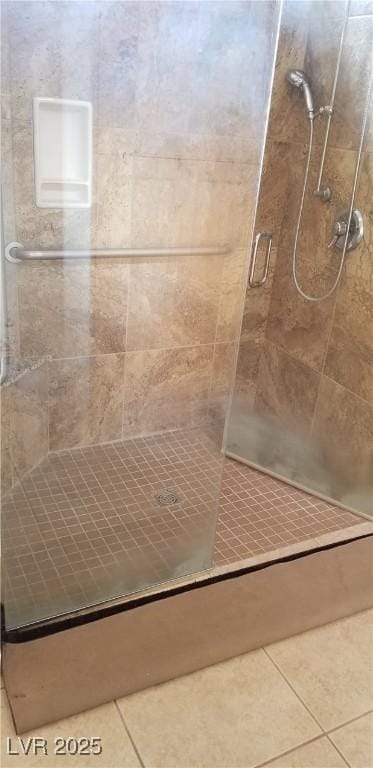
(131, 148)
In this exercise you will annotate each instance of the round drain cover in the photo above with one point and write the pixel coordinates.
(167, 497)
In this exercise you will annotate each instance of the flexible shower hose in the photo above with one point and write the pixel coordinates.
(296, 282)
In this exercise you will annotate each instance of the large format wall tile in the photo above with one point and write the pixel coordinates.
(72, 309)
(117, 91)
(6, 467)
(176, 162)
(286, 388)
(182, 202)
(55, 54)
(222, 379)
(358, 7)
(114, 201)
(324, 30)
(7, 177)
(286, 119)
(119, 141)
(349, 359)
(298, 326)
(277, 433)
(247, 371)
(126, 29)
(174, 301)
(273, 189)
(214, 97)
(164, 94)
(10, 342)
(318, 219)
(344, 427)
(360, 262)
(4, 57)
(257, 302)
(85, 400)
(232, 297)
(166, 389)
(24, 416)
(352, 85)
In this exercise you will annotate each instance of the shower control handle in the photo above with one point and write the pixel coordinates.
(340, 230)
(355, 232)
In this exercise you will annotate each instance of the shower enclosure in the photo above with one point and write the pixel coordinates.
(302, 405)
(153, 157)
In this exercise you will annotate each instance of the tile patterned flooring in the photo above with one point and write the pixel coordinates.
(261, 708)
(260, 514)
(86, 525)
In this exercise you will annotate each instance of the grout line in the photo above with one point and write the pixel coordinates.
(289, 751)
(134, 351)
(252, 163)
(48, 408)
(314, 718)
(350, 391)
(353, 719)
(125, 344)
(338, 750)
(129, 734)
(325, 731)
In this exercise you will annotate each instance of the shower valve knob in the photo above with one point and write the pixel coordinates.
(340, 229)
(355, 231)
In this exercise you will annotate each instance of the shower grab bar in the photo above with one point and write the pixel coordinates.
(15, 252)
(254, 252)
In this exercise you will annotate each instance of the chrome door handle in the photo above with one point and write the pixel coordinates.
(254, 252)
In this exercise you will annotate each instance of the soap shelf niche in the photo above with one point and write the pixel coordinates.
(62, 153)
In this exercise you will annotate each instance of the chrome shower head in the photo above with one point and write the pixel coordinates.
(296, 77)
(299, 79)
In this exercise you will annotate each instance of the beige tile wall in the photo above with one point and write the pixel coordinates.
(24, 423)
(179, 93)
(310, 366)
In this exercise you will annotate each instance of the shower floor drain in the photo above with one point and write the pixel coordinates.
(167, 497)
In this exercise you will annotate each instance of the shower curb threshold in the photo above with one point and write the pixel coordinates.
(156, 637)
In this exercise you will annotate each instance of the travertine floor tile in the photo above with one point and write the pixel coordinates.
(239, 713)
(103, 722)
(355, 741)
(317, 754)
(331, 668)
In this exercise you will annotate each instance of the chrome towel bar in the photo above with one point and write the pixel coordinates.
(15, 252)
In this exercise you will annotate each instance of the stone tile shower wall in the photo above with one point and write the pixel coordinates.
(179, 92)
(310, 366)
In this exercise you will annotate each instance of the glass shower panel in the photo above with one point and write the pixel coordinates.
(123, 298)
(302, 403)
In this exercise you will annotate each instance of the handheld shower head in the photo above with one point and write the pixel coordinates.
(298, 79)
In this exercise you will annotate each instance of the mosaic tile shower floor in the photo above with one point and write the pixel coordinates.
(87, 525)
